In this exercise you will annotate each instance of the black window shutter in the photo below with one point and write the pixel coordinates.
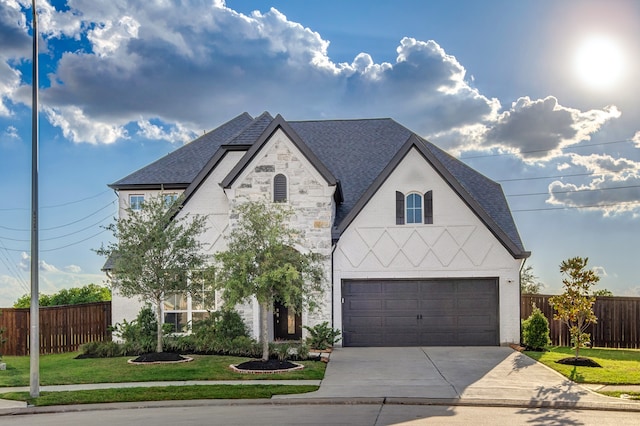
(428, 207)
(399, 208)
(279, 188)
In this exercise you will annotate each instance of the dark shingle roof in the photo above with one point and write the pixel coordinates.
(356, 152)
(180, 167)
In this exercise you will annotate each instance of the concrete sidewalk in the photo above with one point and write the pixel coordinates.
(482, 376)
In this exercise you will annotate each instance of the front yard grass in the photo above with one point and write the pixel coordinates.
(63, 369)
(619, 366)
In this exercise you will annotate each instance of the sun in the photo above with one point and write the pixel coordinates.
(599, 62)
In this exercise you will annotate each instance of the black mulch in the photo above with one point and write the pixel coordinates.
(159, 357)
(269, 365)
(579, 362)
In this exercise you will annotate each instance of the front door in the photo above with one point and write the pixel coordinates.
(287, 324)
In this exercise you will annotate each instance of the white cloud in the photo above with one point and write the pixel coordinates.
(77, 126)
(16, 41)
(109, 36)
(45, 267)
(636, 139)
(539, 129)
(10, 290)
(25, 264)
(193, 66)
(176, 133)
(9, 83)
(600, 271)
(614, 186)
(12, 133)
(74, 269)
(51, 279)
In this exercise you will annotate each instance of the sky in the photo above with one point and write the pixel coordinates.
(538, 95)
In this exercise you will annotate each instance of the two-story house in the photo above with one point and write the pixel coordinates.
(420, 248)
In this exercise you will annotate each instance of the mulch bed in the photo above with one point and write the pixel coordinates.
(266, 367)
(156, 357)
(579, 362)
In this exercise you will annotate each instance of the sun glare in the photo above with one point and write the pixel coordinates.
(599, 62)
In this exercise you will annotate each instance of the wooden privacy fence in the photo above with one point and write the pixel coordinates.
(618, 323)
(62, 328)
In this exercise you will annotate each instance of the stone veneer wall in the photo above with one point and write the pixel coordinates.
(308, 195)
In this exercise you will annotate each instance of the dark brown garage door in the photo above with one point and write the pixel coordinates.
(444, 312)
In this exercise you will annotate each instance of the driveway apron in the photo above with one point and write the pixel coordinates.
(467, 373)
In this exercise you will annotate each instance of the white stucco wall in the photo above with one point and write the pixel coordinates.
(125, 308)
(456, 245)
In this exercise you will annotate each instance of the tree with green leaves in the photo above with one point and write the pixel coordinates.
(603, 292)
(90, 293)
(574, 307)
(529, 283)
(157, 252)
(261, 262)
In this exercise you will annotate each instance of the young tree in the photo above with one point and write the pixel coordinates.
(574, 307)
(156, 253)
(260, 261)
(529, 283)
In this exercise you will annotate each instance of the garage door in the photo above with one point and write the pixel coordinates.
(445, 312)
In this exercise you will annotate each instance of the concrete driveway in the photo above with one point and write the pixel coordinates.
(490, 374)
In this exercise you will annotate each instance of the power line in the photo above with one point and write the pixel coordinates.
(57, 205)
(62, 226)
(575, 191)
(13, 270)
(575, 207)
(75, 243)
(60, 236)
(549, 177)
(500, 154)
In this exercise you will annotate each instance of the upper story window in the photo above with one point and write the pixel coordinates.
(169, 199)
(414, 208)
(279, 188)
(135, 201)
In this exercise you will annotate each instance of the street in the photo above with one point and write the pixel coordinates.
(323, 414)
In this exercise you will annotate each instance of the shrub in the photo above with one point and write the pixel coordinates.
(535, 330)
(106, 349)
(322, 336)
(220, 325)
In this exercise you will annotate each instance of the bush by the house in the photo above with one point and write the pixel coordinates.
(322, 336)
(535, 330)
(222, 333)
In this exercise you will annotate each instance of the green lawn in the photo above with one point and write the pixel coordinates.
(164, 393)
(619, 366)
(63, 369)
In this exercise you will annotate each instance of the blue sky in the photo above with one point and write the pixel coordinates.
(497, 84)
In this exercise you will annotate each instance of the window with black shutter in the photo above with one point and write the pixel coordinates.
(399, 208)
(428, 208)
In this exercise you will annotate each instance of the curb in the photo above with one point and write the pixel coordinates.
(531, 404)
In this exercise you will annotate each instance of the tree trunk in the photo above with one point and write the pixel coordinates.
(264, 330)
(160, 321)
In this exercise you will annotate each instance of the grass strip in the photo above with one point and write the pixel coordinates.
(160, 393)
(619, 366)
(617, 394)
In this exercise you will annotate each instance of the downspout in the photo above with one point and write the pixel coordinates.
(520, 298)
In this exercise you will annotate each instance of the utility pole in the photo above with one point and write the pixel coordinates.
(34, 331)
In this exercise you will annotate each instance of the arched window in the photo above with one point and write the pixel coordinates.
(414, 208)
(279, 188)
